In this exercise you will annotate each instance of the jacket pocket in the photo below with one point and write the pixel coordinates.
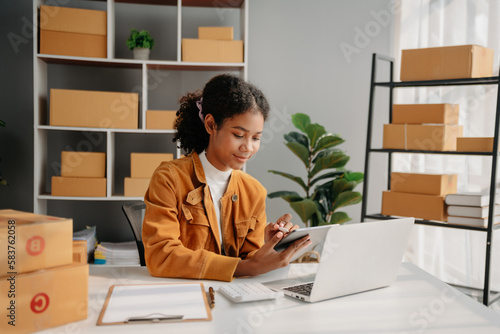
(243, 227)
(195, 233)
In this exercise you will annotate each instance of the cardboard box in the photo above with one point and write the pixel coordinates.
(78, 186)
(80, 251)
(475, 144)
(429, 207)
(444, 113)
(136, 187)
(216, 33)
(160, 119)
(71, 44)
(421, 137)
(44, 299)
(33, 242)
(425, 184)
(450, 62)
(212, 51)
(83, 164)
(75, 20)
(142, 165)
(94, 109)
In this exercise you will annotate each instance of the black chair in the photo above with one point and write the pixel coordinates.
(135, 215)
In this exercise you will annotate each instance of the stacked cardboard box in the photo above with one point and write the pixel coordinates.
(475, 144)
(423, 127)
(418, 195)
(82, 174)
(160, 119)
(73, 32)
(142, 166)
(41, 285)
(214, 44)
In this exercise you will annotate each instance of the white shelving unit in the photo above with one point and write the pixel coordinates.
(41, 87)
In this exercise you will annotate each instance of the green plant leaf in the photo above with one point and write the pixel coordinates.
(295, 137)
(314, 133)
(339, 217)
(323, 200)
(305, 209)
(301, 121)
(335, 160)
(289, 196)
(300, 151)
(347, 198)
(291, 177)
(317, 219)
(326, 142)
(327, 152)
(2, 123)
(326, 176)
(354, 177)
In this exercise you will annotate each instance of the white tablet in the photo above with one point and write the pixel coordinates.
(316, 233)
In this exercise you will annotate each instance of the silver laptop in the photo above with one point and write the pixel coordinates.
(355, 258)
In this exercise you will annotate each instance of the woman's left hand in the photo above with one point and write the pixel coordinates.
(273, 228)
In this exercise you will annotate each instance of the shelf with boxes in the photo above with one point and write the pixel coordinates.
(434, 131)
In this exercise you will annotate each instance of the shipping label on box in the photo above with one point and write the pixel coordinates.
(96, 109)
(444, 113)
(425, 184)
(142, 165)
(83, 164)
(421, 137)
(32, 242)
(136, 187)
(78, 186)
(216, 33)
(160, 119)
(44, 298)
(212, 51)
(450, 62)
(475, 144)
(429, 207)
(74, 20)
(73, 44)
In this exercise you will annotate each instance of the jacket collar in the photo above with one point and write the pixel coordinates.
(198, 168)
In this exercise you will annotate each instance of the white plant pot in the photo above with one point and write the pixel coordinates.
(141, 53)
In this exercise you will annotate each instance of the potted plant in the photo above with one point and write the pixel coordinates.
(141, 43)
(324, 192)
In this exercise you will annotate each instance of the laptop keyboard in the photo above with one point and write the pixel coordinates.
(303, 289)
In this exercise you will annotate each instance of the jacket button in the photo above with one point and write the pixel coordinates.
(234, 198)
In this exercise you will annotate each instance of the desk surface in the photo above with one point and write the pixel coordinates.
(416, 303)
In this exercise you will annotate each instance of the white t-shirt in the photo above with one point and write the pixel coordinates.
(217, 181)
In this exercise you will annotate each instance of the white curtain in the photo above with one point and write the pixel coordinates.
(456, 256)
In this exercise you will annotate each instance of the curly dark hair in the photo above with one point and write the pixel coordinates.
(224, 96)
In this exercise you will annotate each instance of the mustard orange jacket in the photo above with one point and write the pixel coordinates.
(180, 228)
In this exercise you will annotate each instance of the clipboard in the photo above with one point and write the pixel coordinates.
(154, 303)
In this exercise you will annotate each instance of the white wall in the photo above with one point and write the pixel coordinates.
(296, 57)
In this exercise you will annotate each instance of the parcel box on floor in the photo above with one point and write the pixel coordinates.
(212, 51)
(83, 164)
(449, 62)
(443, 113)
(421, 137)
(73, 32)
(475, 144)
(429, 207)
(33, 242)
(142, 165)
(95, 109)
(160, 119)
(425, 184)
(44, 299)
(78, 186)
(135, 187)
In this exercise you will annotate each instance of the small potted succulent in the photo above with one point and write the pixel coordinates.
(141, 43)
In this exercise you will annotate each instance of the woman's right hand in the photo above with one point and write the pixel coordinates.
(267, 259)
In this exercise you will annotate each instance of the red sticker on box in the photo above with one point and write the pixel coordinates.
(39, 303)
(35, 245)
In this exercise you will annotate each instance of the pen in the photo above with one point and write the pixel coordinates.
(211, 294)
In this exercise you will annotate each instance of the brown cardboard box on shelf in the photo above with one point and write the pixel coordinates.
(429, 207)
(33, 241)
(444, 113)
(142, 165)
(450, 62)
(475, 144)
(421, 137)
(96, 109)
(216, 33)
(73, 32)
(134, 187)
(83, 164)
(78, 186)
(212, 51)
(80, 251)
(160, 119)
(425, 184)
(44, 298)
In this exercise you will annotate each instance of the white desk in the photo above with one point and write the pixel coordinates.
(416, 303)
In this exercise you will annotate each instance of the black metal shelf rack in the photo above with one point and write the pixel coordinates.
(488, 299)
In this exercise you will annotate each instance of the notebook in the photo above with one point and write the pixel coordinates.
(355, 258)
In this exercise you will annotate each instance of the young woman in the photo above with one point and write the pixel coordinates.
(205, 218)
